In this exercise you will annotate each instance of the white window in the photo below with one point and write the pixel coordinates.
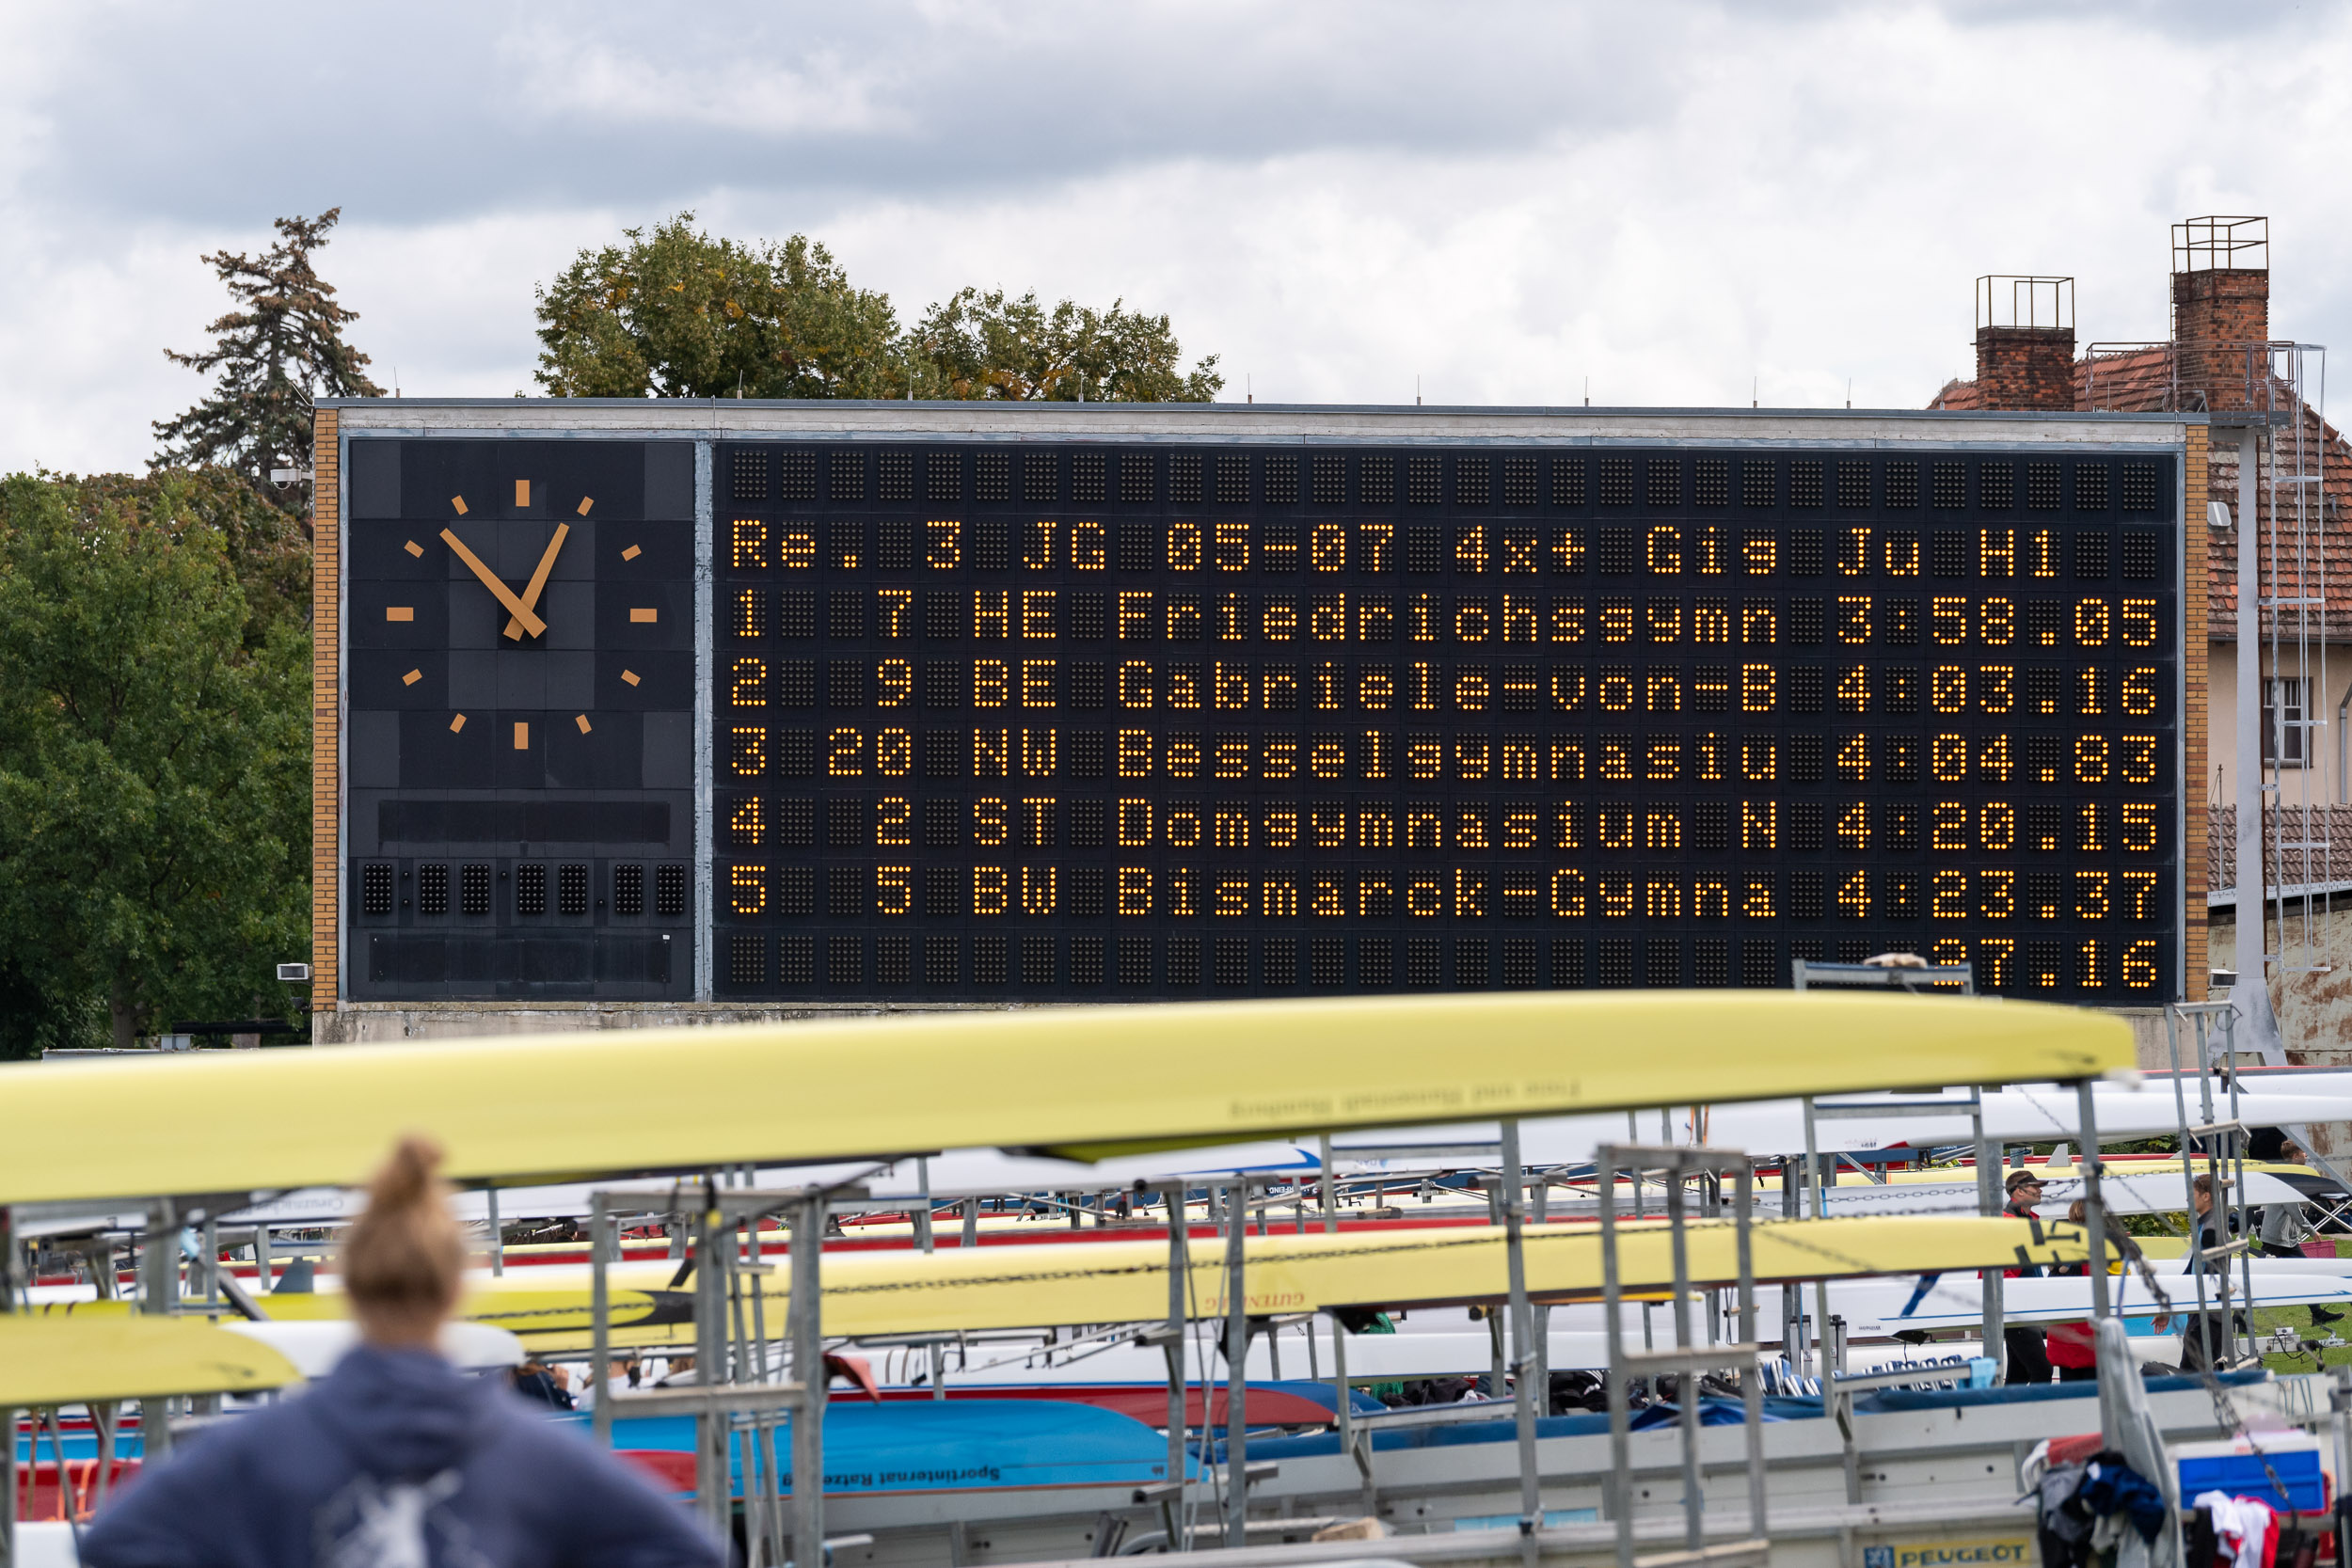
(2284, 714)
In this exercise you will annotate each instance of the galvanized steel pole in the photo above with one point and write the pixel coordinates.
(599, 1314)
(8, 1413)
(1686, 1388)
(934, 1353)
(1343, 1401)
(1619, 1495)
(712, 1425)
(1237, 1369)
(1989, 1201)
(1179, 1278)
(1523, 1359)
(159, 1292)
(2095, 1222)
(806, 1327)
(1751, 1379)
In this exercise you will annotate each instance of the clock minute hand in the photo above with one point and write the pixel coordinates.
(498, 589)
(539, 578)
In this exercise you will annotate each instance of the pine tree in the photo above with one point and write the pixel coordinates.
(283, 346)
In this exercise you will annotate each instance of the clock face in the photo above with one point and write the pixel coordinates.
(519, 694)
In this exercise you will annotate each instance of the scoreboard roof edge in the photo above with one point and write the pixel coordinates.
(593, 418)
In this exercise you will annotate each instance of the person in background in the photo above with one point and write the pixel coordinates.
(2285, 1228)
(395, 1459)
(620, 1377)
(2072, 1347)
(2027, 1346)
(2206, 1336)
(540, 1383)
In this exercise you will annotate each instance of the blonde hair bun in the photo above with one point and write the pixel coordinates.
(404, 1257)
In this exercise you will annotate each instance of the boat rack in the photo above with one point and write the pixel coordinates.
(737, 1389)
(1689, 1362)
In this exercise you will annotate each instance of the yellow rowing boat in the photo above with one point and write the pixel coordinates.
(1084, 1081)
(54, 1358)
(870, 1294)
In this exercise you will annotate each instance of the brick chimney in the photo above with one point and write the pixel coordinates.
(2221, 307)
(2025, 342)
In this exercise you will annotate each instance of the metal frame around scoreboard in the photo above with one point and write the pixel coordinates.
(1207, 427)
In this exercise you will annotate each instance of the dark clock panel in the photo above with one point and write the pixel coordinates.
(1063, 719)
(519, 805)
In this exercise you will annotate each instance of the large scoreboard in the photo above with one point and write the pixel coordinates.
(921, 717)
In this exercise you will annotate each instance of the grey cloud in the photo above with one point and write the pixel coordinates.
(439, 112)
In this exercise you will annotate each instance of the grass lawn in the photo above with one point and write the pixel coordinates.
(2268, 1319)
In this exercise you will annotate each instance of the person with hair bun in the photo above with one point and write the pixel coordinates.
(395, 1459)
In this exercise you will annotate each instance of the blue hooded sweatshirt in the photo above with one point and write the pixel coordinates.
(395, 1460)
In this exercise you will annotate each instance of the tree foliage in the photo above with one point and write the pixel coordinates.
(268, 553)
(281, 348)
(984, 346)
(680, 314)
(154, 759)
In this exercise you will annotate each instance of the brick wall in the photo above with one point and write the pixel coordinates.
(2025, 367)
(2194, 719)
(2213, 314)
(325, 710)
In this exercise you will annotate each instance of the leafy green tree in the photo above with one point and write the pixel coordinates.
(680, 314)
(279, 349)
(266, 549)
(154, 764)
(985, 345)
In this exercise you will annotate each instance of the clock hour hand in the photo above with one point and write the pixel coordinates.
(539, 578)
(499, 591)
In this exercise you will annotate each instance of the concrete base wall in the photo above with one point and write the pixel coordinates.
(374, 1023)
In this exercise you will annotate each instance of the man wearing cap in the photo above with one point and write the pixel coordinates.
(2028, 1347)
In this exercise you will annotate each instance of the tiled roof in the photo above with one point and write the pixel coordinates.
(2125, 381)
(1958, 396)
(2331, 824)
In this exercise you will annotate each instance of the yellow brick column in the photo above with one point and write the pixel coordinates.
(327, 550)
(2195, 596)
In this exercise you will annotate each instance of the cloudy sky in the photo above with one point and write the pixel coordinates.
(1511, 203)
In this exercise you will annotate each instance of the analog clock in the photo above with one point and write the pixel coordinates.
(518, 720)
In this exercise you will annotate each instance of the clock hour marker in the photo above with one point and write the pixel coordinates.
(585, 502)
(412, 677)
(459, 502)
(522, 492)
(629, 675)
(639, 616)
(582, 719)
(458, 724)
(631, 553)
(522, 735)
(414, 549)
(408, 613)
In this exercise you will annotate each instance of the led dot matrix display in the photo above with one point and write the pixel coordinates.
(1062, 718)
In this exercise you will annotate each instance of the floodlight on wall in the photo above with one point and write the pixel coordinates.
(2217, 514)
(295, 975)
